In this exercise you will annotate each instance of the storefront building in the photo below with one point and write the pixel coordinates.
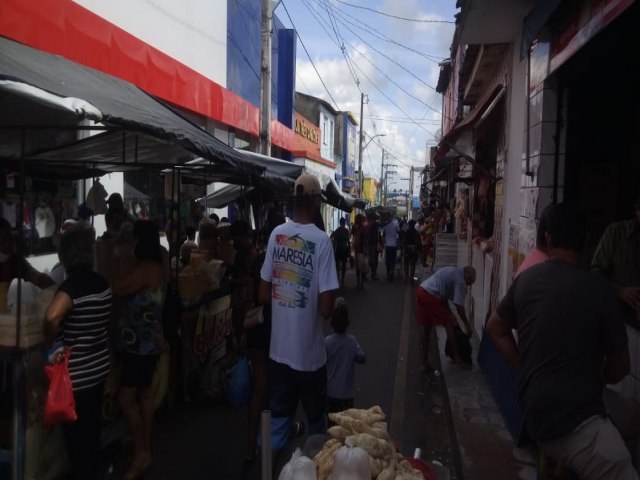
(347, 146)
(583, 123)
(550, 122)
(307, 153)
(203, 58)
(370, 190)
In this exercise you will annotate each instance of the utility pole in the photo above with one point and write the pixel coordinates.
(386, 174)
(382, 176)
(265, 79)
(410, 194)
(361, 146)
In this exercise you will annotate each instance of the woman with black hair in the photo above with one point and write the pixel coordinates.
(141, 339)
(77, 318)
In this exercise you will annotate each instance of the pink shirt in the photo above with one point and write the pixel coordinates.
(535, 256)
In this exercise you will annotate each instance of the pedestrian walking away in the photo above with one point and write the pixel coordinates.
(391, 232)
(342, 248)
(362, 263)
(410, 249)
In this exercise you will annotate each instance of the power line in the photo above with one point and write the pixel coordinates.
(336, 29)
(398, 85)
(321, 21)
(381, 36)
(341, 46)
(393, 16)
(433, 123)
(302, 80)
(391, 101)
(390, 59)
(309, 57)
(244, 57)
(246, 17)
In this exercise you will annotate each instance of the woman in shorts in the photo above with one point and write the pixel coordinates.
(141, 339)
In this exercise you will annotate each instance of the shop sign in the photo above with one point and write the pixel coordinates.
(581, 25)
(212, 328)
(306, 130)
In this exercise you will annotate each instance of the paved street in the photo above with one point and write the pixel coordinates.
(209, 442)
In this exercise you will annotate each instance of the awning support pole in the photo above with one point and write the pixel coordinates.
(265, 432)
(19, 402)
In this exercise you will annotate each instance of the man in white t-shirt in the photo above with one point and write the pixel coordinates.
(298, 277)
(390, 231)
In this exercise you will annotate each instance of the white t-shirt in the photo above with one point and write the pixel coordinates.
(391, 231)
(300, 265)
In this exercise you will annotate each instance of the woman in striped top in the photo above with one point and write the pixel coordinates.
(78, 316)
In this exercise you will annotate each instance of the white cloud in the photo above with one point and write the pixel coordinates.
(405, 141)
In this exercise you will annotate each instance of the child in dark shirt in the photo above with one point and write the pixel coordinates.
(343, 351)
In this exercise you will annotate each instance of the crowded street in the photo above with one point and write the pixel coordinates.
(425, 412)
(319, 240)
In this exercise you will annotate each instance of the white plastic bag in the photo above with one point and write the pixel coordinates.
(299, 468)
(351, 464)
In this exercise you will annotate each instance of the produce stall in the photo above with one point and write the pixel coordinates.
(358, 445)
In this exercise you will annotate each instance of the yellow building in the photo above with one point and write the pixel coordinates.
(369, 190)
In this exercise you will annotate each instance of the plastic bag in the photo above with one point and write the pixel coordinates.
(351, 464)
(299, 468)
(60, 406)
(240, 383)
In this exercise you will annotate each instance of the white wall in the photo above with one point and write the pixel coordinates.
(517, 113)
(194, 32)
(327, 131)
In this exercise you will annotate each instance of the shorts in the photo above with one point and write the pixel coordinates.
(431, 311)
(342, 256)
(593, 450)
(138, 370)
(411, 253)
(286, 388)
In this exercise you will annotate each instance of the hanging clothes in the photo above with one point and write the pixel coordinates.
(45, 221)
(97, 198)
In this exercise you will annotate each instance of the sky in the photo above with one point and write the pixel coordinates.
(394, 62)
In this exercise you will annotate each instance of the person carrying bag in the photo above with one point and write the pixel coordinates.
(60, 406)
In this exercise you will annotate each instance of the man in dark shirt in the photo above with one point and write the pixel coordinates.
(572, 341)
(342, 247)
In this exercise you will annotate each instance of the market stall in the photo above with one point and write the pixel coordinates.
(65, 122)
(75, 123)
